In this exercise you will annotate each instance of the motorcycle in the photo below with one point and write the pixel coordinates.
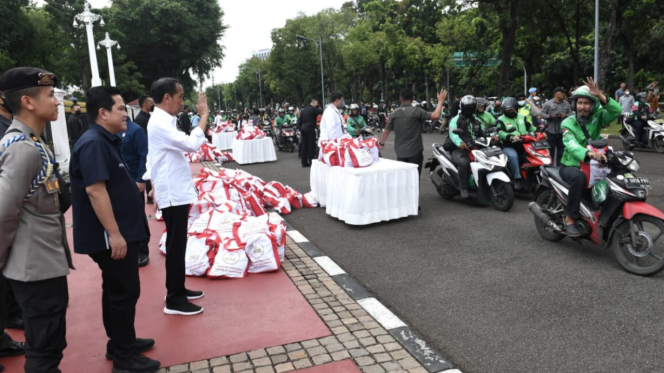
(653, 132)
(427, 126)
(614, 213)
(536, 148)
(488, 180)
(267, 128)
(288, 138)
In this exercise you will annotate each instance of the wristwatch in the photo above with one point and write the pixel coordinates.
(381, 143)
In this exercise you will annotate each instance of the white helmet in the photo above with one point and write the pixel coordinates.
(354, 107)
(290, 108)
(416, 104)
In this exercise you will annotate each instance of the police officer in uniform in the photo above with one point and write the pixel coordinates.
(34, 254)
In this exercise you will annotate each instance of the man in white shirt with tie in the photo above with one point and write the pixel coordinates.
(172, 184)
(332, 122)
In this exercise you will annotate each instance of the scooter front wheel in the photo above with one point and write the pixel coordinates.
(639, 246)
(658, 144)
(501, 195)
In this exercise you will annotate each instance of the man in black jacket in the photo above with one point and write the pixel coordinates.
(307, 124)
(184, 123)
(146, 104)
(74, 125)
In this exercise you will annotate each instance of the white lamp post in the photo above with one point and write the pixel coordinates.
(108, 43)
(86, 19)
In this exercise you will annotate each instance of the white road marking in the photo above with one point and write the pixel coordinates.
(379, 312)
(297, 236)
(329, 266)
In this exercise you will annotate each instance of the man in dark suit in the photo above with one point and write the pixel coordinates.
(307, 124)
(147, 105)
(74, 125)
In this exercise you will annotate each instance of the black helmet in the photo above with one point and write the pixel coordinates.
(481, 102)
(509, 103)
(468, 105)
(641, 96)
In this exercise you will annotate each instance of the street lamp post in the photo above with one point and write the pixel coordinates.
(525, 77)
(260, 87)
(596, 70)
(108, 43)
(87, 18)
(319, 44)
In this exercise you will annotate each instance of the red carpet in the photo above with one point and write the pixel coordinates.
(343, 366)
(259, 311)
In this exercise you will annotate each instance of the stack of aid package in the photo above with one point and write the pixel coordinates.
(346, 151)
(249, 132)
(208, 152)
(230, 232)
(224, 127)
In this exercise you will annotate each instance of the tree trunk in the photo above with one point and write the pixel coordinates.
(605, 50)
(383, 79)
(508, 25)
(426, 88)
(630, 70)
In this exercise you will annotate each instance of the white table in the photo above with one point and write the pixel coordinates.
(254, 151)
(223, 140)
(386, 190)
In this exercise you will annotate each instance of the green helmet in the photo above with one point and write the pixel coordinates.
(584, 92)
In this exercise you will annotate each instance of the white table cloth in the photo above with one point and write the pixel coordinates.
(386, 190)
(254, 151)
(223, 140)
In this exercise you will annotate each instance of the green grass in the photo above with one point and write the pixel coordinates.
(612, 129)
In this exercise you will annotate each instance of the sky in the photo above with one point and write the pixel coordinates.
(250, 24)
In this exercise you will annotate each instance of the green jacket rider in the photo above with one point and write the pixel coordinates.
(355, 122)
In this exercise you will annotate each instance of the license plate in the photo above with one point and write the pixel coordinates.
(541, 145)
(638, 182)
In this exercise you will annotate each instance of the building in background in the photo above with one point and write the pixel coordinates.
(262, 54)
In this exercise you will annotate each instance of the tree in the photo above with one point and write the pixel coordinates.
(173, 38)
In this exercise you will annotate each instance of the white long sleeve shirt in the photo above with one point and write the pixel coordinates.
(331, 124)
(169, 169)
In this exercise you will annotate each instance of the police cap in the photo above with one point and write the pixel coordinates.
(26, 77)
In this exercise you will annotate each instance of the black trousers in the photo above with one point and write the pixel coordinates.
(578, 181)
(308, 146)
(143, 248)
(415, 159)
(121, 288)
(556, 146)
(9, 308)
(638, 130)
(176, 243)
(462, 162)
(44, 305)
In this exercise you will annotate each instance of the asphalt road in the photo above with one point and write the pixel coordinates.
(486, 290)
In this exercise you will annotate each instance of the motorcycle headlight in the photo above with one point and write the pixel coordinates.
(633, 166)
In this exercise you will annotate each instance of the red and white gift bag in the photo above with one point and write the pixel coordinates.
(357, 156)
(230, 261)
(262, 252)
(196, 260)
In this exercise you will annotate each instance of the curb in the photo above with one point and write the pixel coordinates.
(425, 354)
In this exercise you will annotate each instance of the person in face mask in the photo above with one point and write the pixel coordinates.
(626, 102)
(74, 125)
(528, 110)
(512, 146)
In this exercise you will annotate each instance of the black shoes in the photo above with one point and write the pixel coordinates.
(184, 309)
(306, 165)
(11, 348)
(136, 364)
(194, 294)
(464, 193)
(15, 323)
(572, 230)
(143, 260)
(142, 345)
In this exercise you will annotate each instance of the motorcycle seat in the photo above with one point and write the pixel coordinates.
(554, 173)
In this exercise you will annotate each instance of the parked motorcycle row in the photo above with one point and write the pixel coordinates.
(615, 214)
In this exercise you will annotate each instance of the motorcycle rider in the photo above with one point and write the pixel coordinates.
(279, 121)
(355, 121)
(512, 147)
(497, 109)
(640, 111)
(485, 118)
(472, 128)
(593, 111)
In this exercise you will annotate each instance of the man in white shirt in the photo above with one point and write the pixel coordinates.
(217, 119)
(332, 122)
(172, 184)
